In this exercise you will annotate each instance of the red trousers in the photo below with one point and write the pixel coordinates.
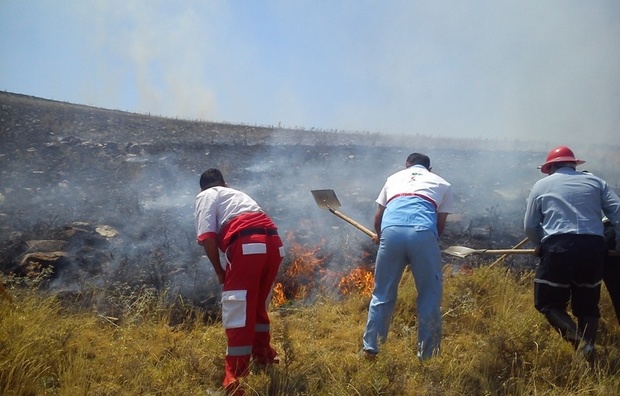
(252, 263)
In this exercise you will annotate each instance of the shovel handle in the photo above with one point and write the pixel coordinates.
(353, 223)
(613, 253)
(505, 251)
(504, 256)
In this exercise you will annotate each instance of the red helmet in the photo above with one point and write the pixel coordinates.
(559, 154)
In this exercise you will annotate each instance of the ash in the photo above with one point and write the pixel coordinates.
(96, 198)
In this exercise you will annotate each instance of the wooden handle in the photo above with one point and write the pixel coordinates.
(613, 253)
(507, 251)
(354, 223)
(504, 256)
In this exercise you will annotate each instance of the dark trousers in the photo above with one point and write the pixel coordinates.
(611, 277)
(570, 270)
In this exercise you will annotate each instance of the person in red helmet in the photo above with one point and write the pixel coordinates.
(563, 221)
(558, 155)
(231, 221)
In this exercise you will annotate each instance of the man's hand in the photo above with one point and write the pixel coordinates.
(377, 223)
(213, 254)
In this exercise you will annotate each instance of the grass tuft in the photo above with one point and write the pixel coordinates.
(494, 343)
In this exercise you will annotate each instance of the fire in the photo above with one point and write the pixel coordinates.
(278, 298)
(305, 272)
(299, 278)
(359, 280)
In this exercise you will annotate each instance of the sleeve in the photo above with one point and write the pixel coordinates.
(447, 202)
(205, 217)
(611, 209)
(532, 223)
(382, 198)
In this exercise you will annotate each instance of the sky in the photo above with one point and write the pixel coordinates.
(516, 70)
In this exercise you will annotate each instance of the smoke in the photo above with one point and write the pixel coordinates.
(73, 171)
(547, 72)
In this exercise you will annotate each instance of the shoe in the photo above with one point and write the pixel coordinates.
(273, 361)
(263, 366)
(368, 355)
(588, 351)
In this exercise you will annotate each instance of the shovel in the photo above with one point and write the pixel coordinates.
(504, 256)
(326, 199)
(462, 251)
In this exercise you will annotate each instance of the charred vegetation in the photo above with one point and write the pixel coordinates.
(101, 198)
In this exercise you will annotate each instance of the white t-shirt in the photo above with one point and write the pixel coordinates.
(216, 206)
(413, 197)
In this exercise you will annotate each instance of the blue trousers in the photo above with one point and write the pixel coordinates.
(398, 247)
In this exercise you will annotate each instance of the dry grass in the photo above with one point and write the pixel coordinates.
(494, 343)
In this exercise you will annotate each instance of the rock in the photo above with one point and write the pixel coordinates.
(33, 264)
(106, 231)
(46, 245)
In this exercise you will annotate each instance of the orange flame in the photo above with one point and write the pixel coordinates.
(278, 298)
(304, 272)
(299, 277)
(360, 280)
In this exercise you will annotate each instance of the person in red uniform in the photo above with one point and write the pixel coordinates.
(230, 221)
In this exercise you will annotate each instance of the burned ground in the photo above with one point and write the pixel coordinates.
(102, 197)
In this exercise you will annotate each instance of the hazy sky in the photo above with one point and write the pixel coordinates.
(544, 70)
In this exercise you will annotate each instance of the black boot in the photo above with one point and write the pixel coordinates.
(561, 321)
(588, 326)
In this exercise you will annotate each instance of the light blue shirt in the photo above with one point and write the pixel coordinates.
(413, 196)
(410, 211)
(570, 202)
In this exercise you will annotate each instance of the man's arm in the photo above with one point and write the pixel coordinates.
(611, 209)
(378, 218)
(213, 254)
(441, 222)
(532, 222)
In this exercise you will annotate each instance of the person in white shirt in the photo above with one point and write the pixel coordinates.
(230, 221)
(414, 204)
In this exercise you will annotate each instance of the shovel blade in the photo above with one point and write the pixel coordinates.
(326, 199)
(460, 251)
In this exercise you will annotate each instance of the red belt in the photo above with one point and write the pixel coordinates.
(414, 195)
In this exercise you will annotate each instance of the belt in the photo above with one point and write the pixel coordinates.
(252, 231)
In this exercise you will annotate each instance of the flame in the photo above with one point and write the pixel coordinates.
(278, 298)
(360, 280)
(305, 272)
(299, 278)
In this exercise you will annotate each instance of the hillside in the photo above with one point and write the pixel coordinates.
(40, 119)
(115, 191)
(107, 292)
